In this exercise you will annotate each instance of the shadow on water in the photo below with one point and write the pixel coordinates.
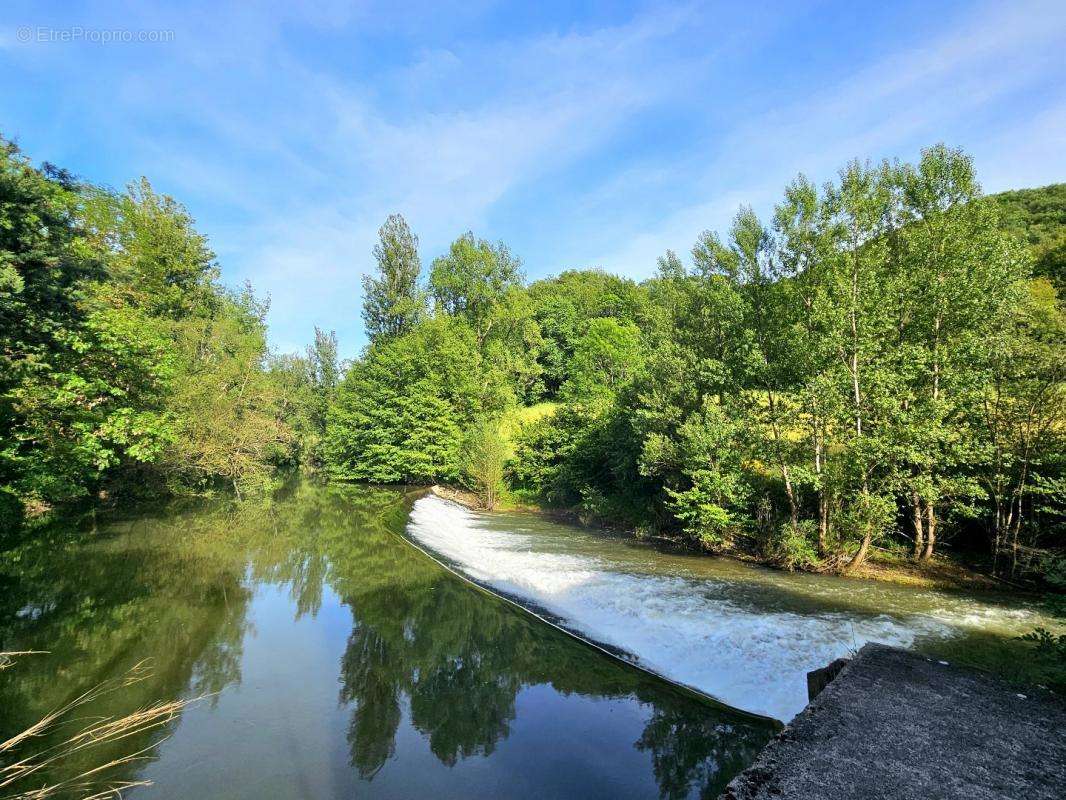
(442, 688)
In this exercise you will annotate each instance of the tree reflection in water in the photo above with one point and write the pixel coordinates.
(174, 583)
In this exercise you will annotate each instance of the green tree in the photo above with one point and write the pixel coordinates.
(860, 326)
(393, 303)
(604, 360)
(1022, 419)
(472, 279)
(804, 247)
(82, 379)
(960, 281)
(229, 412)
(401, 410)
(127, 366)
(156, 259)
(1037, 219)
(761, 374)
(513, 344)
(484, 459)
(566, 305)
(709, 452)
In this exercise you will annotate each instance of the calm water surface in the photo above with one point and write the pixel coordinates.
(338, 661)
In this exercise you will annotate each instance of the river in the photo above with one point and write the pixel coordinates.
(334, 656)
(744, 634)
(335, 660)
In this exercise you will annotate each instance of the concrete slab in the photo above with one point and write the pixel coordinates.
(895, 725)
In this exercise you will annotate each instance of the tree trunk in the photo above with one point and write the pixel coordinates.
(823, 501)
(919, 525)
(1016, 524)
(864, 549)
(997, 533)
(793, 508)
(823, 523)
(930, 531)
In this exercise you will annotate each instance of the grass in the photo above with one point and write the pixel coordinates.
(514, 419)
(24, 761)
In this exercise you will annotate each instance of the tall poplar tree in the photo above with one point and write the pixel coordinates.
(393, 303)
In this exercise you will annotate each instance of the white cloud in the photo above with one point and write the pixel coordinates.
(292, 131)
(444, 169)
(891, 107)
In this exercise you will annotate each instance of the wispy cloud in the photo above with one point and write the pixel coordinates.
(550, 100)
(940, 88)
(292, 130)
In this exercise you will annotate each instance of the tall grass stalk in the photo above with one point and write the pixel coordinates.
(94, 734)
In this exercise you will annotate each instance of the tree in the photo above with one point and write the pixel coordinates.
(748, 264)
(126, 366)
(229, 412)
(1022, 416)
(1037, 219)
(709, 450)
(82, 373)
(513, 344)
(873, 362)
(401, 410)
(325, 373)
(565, 306)
(861, 208)
(472, 278)
(960, 278)
(393, 303)
(604, 360)
(484, 457)
(803, 249)
(687, 408)
(156, 259)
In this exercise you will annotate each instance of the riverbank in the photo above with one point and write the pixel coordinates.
(941, 572)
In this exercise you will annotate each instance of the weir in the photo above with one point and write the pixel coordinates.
(743, 635)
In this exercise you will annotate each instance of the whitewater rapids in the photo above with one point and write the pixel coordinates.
(698, 632)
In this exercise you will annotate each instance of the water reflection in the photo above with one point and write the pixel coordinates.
(425, 656)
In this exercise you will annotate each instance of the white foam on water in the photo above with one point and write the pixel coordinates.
(687, 630)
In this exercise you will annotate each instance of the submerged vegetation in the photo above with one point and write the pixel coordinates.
(878, 365)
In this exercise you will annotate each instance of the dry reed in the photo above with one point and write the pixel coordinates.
(94, 783)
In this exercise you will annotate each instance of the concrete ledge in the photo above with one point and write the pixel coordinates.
(896, 725)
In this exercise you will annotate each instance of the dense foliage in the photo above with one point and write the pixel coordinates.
(126, 365)
(1038, 218)
(879, 364)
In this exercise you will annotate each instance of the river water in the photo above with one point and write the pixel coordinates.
(334, 659)
(743, 634)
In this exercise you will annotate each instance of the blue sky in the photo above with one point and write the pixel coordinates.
(582, 134)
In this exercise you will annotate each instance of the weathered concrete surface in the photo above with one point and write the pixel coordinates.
(820, 678)
(893, 724)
